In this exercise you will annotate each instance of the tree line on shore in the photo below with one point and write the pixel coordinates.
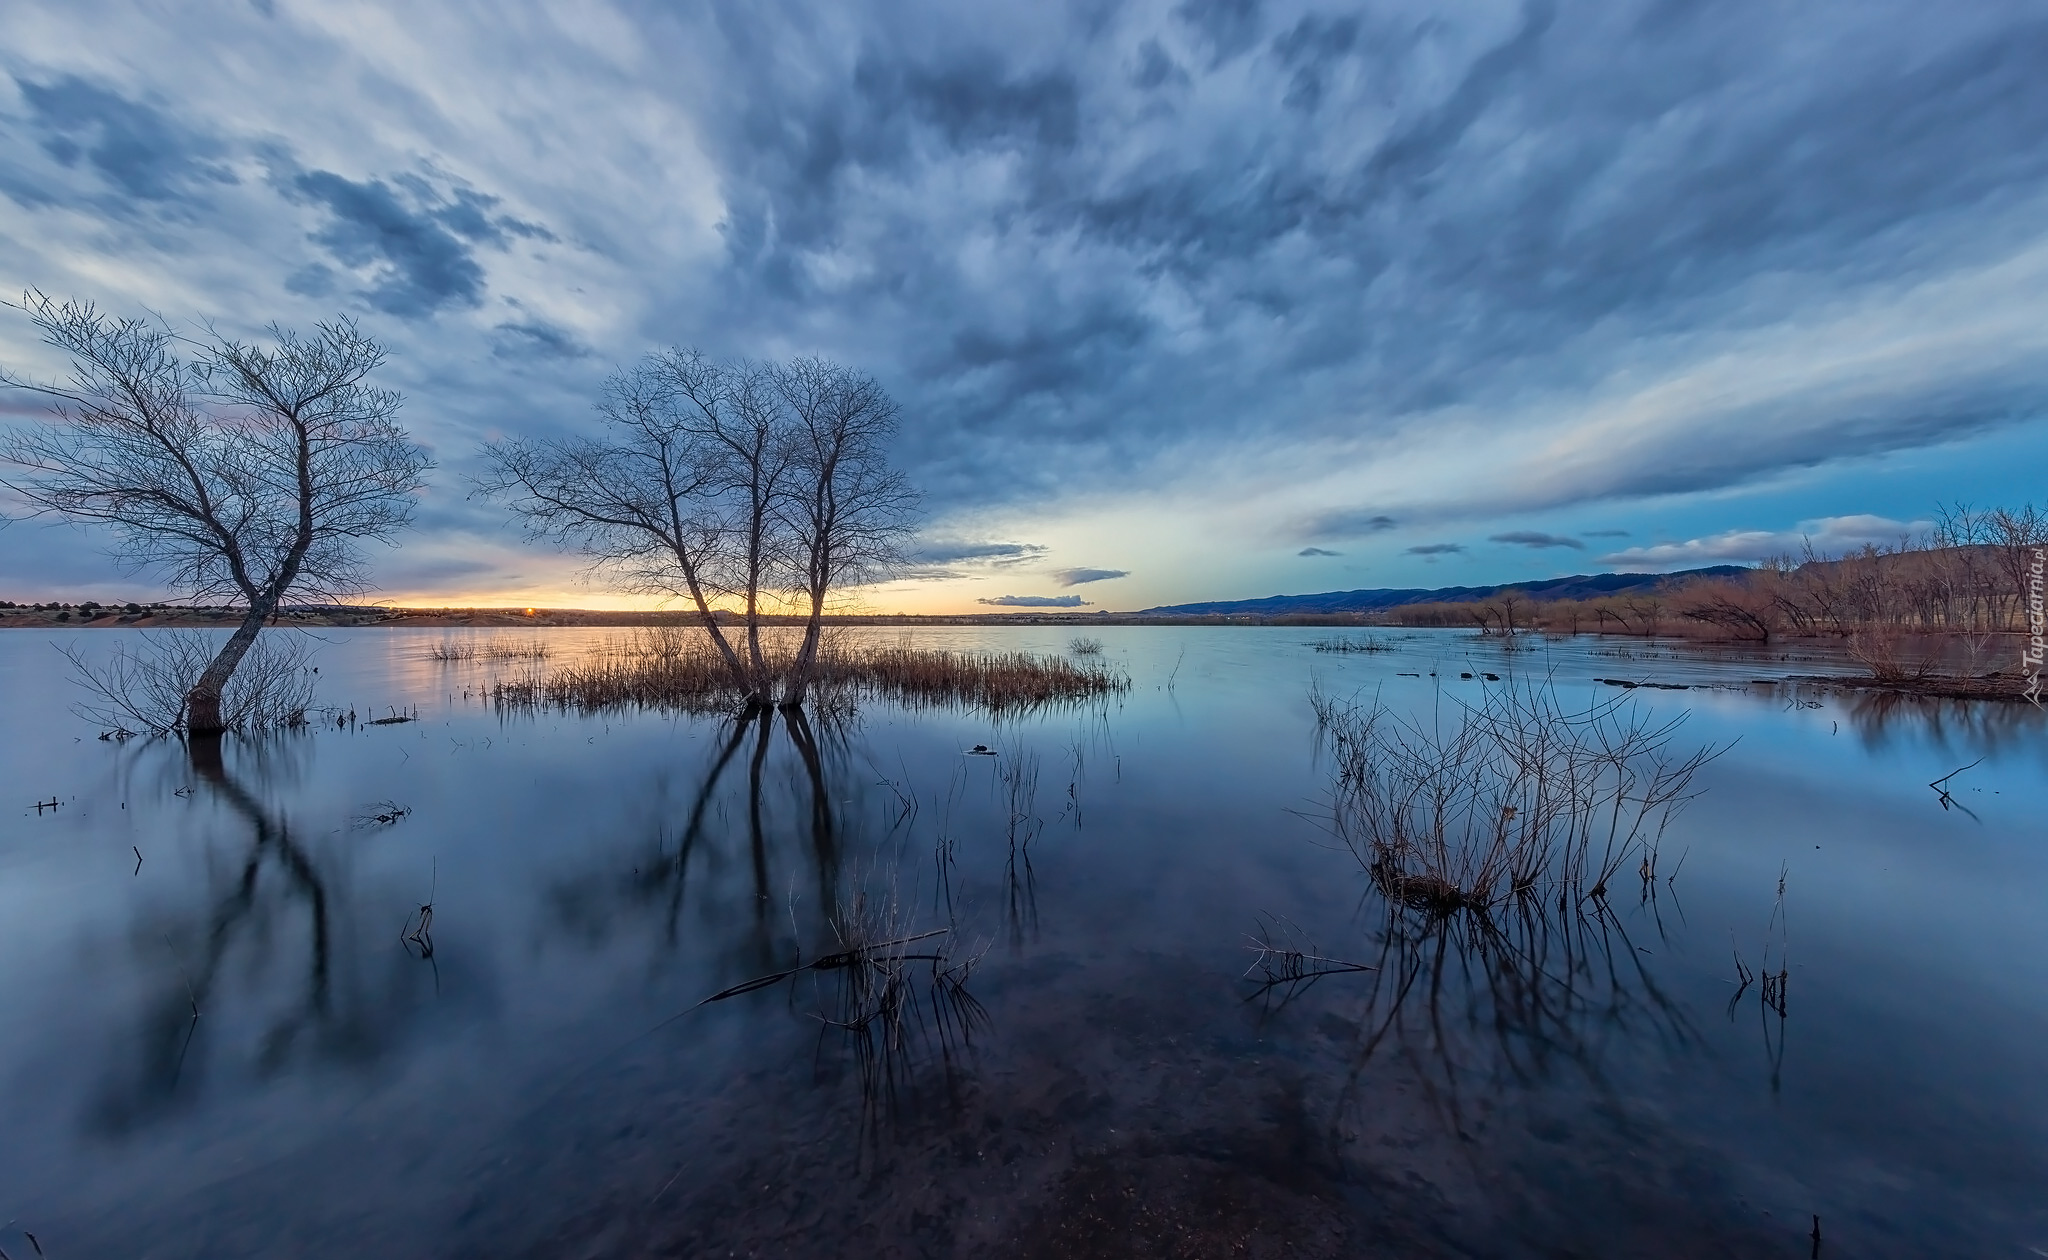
(1965, 578)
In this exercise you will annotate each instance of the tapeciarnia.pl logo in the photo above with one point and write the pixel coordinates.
(2037, 627)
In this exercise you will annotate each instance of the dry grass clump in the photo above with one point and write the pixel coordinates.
(142, 686)
(1499, 798)
(1352, 645)
(452, 651)
(675, 669)
(993, 681)
(1084, 646)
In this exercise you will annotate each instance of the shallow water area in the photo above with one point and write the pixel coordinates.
(227, 1030)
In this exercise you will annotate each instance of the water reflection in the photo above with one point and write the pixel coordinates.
(267, 969)
(1883, 720)
(1482, 1004)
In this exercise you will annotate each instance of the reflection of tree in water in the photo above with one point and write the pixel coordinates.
(731, 870)
(265, 962)
(1882, 718)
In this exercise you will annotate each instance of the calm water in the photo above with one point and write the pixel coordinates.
(539, 1082)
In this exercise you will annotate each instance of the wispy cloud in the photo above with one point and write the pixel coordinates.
(1832, 535)
(1035, 601)
(1536, 539)
(1317, 551)
(1345, 523)
(999, 555)
(1435, 549)
(1078, 577)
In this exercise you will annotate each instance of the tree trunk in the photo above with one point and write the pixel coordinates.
(799, 685)
(202, 703)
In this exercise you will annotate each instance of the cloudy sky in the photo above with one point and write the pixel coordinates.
(1188, 300)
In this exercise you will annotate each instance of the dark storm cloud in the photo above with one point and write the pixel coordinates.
(413, 238)
(1536, 539)
(419, 264)
(1035, 601)
(1078, 577)
(1577, 168)
(1436, 549)
(141, 151)
(1317, 551)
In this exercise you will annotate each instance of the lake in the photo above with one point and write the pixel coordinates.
(224, 1030)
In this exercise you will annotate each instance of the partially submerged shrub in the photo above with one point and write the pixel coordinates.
(1459, 811)
(142, 687)
(1084, 647)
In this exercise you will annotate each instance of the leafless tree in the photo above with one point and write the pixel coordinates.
(737, 413)
(1742, 608)
(640, 500)
(247, 471)
(847, 511)
(712, 481)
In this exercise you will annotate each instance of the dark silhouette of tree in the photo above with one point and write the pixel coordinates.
(247, 471)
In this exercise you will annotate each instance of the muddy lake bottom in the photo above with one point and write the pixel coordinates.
(224, 1030)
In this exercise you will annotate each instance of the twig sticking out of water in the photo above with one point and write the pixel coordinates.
(423, 935)
(1284, 963)
(1941, 785)
(856, 957)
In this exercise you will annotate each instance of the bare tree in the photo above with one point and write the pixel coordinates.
(738, 415)
(248, 471)
(1742, 608)
(641, 500)
(846, 511)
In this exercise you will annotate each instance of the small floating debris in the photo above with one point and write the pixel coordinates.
(382, 814)
(981, 750)
(395, 718)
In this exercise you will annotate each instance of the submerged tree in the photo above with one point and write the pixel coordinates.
(711, 481)
(244, 471)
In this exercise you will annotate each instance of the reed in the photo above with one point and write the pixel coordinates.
(454, 651)
(664, 668)
(1351, 645)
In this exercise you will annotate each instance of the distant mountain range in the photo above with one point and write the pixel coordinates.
(1579, 586)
